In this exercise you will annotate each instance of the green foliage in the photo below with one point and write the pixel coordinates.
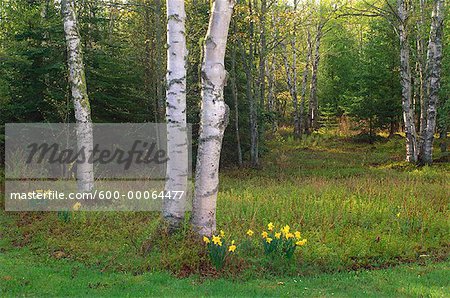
(343, 195)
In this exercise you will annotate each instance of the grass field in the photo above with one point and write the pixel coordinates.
(358, 204)
(22, 275)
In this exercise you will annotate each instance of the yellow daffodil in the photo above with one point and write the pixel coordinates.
(277, 235)
(270, 226)
(264, 234)
(250, 233)
(76, 206)
(301, 242)
(222, 233)
(232, 248)
(298, 235)
(289, 235)
(268, 240)
(216, 240)
(286, 229)
(206, 239)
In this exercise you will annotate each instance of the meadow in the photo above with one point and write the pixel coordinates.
(358, 205)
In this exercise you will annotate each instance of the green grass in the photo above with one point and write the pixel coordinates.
(358, 204)
(21, 274)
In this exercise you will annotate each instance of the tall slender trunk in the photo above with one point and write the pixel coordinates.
(262, 66)
(234, 93)
(433, 77)
(214, 118)
(177, 143)
(313, 102)
(253, 105)
(421, 75)
(405, 74)
(291, 75)
(271, 95)
(159, 66)
(77, 80)
(305, 82)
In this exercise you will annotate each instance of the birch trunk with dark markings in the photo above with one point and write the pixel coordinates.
(177, 143)
(433, 78)
(405, 74)
(77, 80)
(214, 118)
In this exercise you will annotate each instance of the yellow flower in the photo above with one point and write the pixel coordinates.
(289, 235)
(222, 233)
(301, 242)
(232, 248)
(398, 214)
(250, 233)
(206, 239)
(270, 226)
(286, 229)
(268, 240)
(298, 235)
(232, 242)
(76, 206)
(264, 234)
(216, 240)
(277, 235)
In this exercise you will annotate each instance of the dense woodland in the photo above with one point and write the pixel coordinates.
(308, 65)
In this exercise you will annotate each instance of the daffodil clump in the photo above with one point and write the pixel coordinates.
(283, 241)
(218, 249)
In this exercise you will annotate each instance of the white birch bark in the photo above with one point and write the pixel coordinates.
(405, 74)
(433, 77)
(77, 80)
(214, 118)
(177, 143)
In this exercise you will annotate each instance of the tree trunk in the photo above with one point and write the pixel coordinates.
(405, 73)
(421, 71)
(262, 66)
(433, 77)
(305, 82)
(159, 104)
(313, 103)
(271, 93)
(77, 80)
(234, 93)
(214, 118)
(253, 105)
(291, 75)
(177, 143)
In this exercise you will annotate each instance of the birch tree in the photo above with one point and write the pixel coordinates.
(433, 76)
(77, 80)
(405, 74)
(213, 118)
(177, 143)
